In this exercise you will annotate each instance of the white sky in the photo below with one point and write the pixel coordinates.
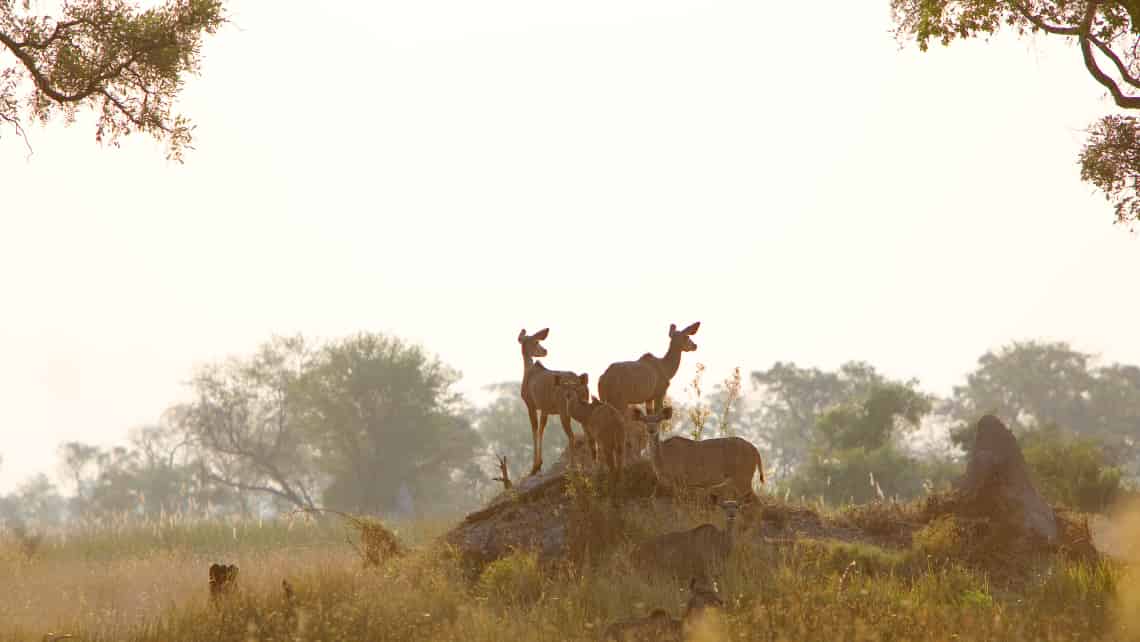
(451, 172)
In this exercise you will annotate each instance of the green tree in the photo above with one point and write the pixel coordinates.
(1075, 471)
(127, 63)
(381, 414)
(1107, 34)
(857, 455)
(792, 399)
(1031, 384)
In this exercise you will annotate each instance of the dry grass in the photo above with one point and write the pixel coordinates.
(149, 584)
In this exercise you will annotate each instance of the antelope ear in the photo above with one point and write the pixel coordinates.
(522, 335)
(541, 334)
(672, 330)
(691, 330)
(585, 379)
(667, 413)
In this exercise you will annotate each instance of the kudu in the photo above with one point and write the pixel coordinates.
(605, 427)
(659, 626)
(647, 379)
(690, 552)
(685, 464)
(540, 394)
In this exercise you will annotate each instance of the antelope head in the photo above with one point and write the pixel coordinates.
(680, 338)
(530, 343)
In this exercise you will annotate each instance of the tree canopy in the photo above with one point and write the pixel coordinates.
(1107, 33)
(127, 63)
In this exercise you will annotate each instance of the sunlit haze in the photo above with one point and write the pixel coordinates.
(452, 172)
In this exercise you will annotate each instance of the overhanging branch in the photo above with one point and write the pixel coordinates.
(1086, 41)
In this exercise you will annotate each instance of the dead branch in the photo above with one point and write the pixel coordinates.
(506, 475)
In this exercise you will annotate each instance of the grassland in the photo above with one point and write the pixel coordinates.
(147, 582)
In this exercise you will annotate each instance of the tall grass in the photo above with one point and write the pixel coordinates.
(148, 583)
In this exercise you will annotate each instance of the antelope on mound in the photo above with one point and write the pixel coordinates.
(688, 552)
(686, 463)
(542, 396)
(647, 379)
(604, 425)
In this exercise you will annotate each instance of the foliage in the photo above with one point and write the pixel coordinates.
(127, 63)
(792, 399)
(36, 504)
(379, 413)
(1032, 383)
(1108, 37)
(1071, 470)
(860, 475)
(855, 453)
(512, 580)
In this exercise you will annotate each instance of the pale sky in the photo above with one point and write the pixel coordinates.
(451, 172)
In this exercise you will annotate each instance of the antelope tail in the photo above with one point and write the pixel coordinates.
(759, 465)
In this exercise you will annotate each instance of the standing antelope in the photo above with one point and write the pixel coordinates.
(647, 379)
(605, 427)
(683, 462)
(542, 396)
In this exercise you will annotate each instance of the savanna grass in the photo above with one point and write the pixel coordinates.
(799, 589)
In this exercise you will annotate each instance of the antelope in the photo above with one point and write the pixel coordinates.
(604, 425)
(659, 626)
(540, 394)
(683, 462)
(704, 601)
(689, 552)
(223, 579)
(647, 379)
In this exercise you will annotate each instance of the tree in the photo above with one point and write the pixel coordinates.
(1031, 384)
(109, 55)
(1107, 33)
(1075, 471)
(381, 414)
(35, 503)
(245, 423)
(856, 454)
(792, 399)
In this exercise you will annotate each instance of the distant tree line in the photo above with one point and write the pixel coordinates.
(370, 423)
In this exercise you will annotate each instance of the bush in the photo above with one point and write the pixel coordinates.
(845, 476)
(513, 580)
(1071, 470)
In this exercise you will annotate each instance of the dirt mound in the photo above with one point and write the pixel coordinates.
(996, 485)
(545, 513)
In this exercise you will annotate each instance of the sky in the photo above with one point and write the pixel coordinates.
(451, 172)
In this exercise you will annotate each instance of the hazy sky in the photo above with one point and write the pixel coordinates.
(452, 171)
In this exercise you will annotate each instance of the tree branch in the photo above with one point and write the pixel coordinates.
(285, 494)
(1041, 24)
(1120, 66)
(1086, 40)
